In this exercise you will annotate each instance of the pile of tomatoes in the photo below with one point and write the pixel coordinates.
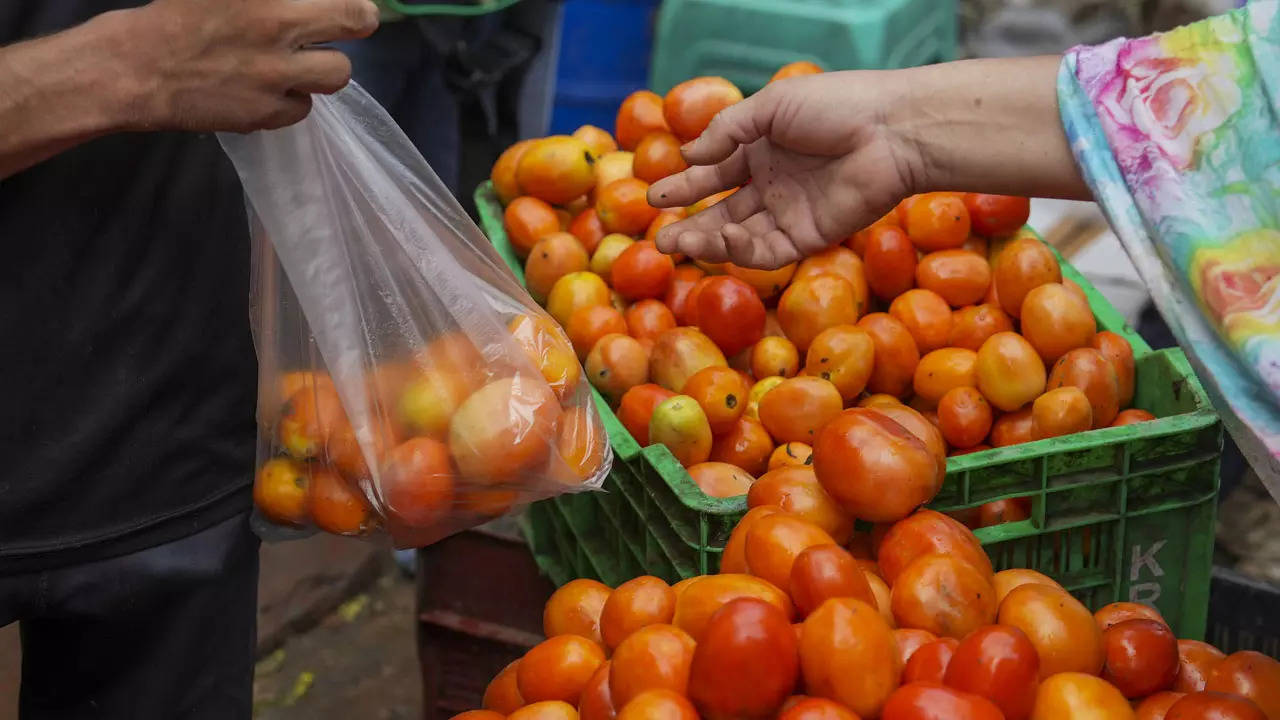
(912, 624)
(950, 326)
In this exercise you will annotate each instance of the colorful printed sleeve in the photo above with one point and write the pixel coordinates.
(1178, 135)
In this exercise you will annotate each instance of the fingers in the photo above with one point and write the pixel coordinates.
(739, 124)
(735, 208)
(690, 186)
(318, 70)
(322, 21)
(289, 109)
(759, 243)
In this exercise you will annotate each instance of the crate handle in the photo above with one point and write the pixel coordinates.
(1008, 531)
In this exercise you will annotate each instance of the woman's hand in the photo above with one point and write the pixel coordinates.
(828, 154)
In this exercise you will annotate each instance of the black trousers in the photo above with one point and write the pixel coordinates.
(164, 633)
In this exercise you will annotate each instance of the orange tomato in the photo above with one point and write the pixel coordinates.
(1216, 705)
(926, 316)
(556, 169)
(636, 603)
(1251, 675)
(623, 206)
(722, 393)
(1196, 661)
(1012, 428)
(923, 700)
(746, 445)
(617, 363)
(768, 284)
(503, 173)
(799, 407)
(999, 663)
(1055, 321)
(637, 406)
(639, 115)
(690, 106)
(597, 700)
(1091, 372)
(703, 204)
(336, 506)
(942, 370)
(640, 272)
(580, 444)
(843, 355)
(841, 261)
(890, 262)
(1010, 372)
(648, 319)
(1006, 580)
(1061, 411)
(896, 354)
(774, 356)
(558, 668)
(929, 662)
(747, 662)
(573, 291)
(999, 512)
(729, 312)
(937, 221)
(478, 715)
(960, 277)
(792, 454)
(719, 479)
(502, 694)
(822, 572)
(871, 465)
(418, 481)
(774, 542)
(924, 533)
(589, 323)
(597, 139)
(1154, 707)
(574, 609)
(1130, 417)
(665, 704)
(679, 353)
(968, 604)
(1118, 612)
(993, 215)
(657, 156)
(655, 657)
(848, 654)
(879, 588)
(1063, 630)
(810, 708)
(280, 491)
(796, 69)
(814, 304)
(1141, 657)
(964, 416)
(733, 560)
(796, 490)
(551, 258)
(665, 217)
(909, 640)
(1023, 265)
(547, 710)
(707, 594)
(971, 326)
(1079, 695)
(1117, 350)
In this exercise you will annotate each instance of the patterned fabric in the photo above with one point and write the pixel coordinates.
(1178, 135)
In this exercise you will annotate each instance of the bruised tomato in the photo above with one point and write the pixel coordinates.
(876, 469)
(968, 603)
(896, 354)
(774, 356)
(722, 393)
(747, 662)
(792, 454)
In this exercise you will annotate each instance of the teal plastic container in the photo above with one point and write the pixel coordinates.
(746, 41)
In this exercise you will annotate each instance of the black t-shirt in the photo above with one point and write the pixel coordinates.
(127, 371)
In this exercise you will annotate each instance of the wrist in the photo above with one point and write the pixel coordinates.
(126, 82)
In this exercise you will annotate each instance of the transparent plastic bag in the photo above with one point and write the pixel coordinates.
(407, 383)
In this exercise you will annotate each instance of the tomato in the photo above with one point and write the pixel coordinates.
(1055, 321)
(280, 490)
(682, 281)
(573, 291)
(589, 323)
(896, 354)
(1023, 265)
(722, 393)
(747, 662)
(993, 215)
(503, 173)
(680, 423)
(637, 406)
(733, 560)
(1061, 411)
(1117, 350)
(1010, 373)
(719, 479)
(623, 207)
(968, 603)
(971, 326)
(1089, 370)
(641, 271)
(1131, 417)
(527, 220)
(774, 542)
(960, 277)
(1062, 630)
(1070, 695)
(924, 533)
(707, 594)
(639, 115)
(665, 217)
(747, 445)
(923, 428)
(796, 69)
(558, 668)
(1118, 612)
(337, 506)
(418, 482)
(606, 253)
(574, 609)
(617, 363)
(841, 261)
(597, 700)
(844, 355)
(690, 106)
(637, 603)
(817, 709)
(799, 407)
(774, 356)
(1251, 675)
(768, 284)
(1011, 428)
(909, 640)
(930, 701)
(822, 572)
(999, 663)
(792, 454)
(1214, 706)
(679, 353)
(814, 304)
(657, 156)
(926, 316)
(847, 654)
(882, 592)
(556, 169)
(999, 512)
(611, 167)
(1141, 657)
(1154, 707)
(588, 229)
(665, 704)
(502, 694)
(554, 256)
(547, 710)
(648, 319)
(797, 491)
(478, 715)
(937, 221)
(929, 662)
(943, 370)
(758, 391)
(1196, 660)
(1007, 580)
(890, 260)
(964, 417)
(655, 657)
(730, 313)
(872, 466)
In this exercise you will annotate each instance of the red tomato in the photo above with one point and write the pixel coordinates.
(996, 214)
(809, 708)
(890, 262)
(1154, 707)
(999, 663)
(730, 313)
(1196, 660)
(929, 662)
(1251, 675)
(931, 701)
(1214, 706)
(747, 662)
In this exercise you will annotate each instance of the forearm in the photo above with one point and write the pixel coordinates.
(988, 126)
(64, 89)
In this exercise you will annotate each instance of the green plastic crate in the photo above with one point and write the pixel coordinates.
(1117, 514)
(746, 41)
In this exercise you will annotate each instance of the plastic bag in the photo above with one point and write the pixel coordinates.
(407, 383)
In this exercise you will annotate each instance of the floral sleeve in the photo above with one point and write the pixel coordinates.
(1178, 135)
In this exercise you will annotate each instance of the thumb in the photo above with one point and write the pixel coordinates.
(739, 124)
